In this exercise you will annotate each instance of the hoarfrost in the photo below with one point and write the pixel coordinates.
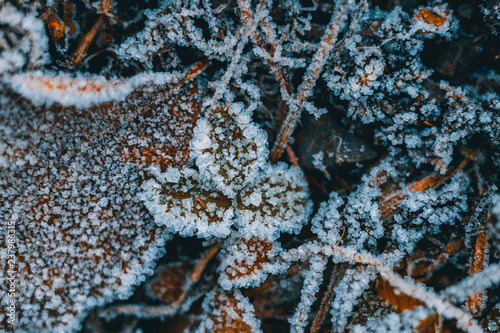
(228, 148)
(181, 201)
(247, 261)
(276, 202)
(228, 311)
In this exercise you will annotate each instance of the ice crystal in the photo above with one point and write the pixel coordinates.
(363, 215)
(276, 202)
(185, 204)
(27, 31)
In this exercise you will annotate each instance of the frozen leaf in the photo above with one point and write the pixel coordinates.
(83, 236)
(82, 91)
(229, 149)
(185, 204)
(246, 262)
(390, 206)
(418, 209)
(228, 312)
(277, 202)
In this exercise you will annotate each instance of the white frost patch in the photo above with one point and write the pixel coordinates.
(31, 49)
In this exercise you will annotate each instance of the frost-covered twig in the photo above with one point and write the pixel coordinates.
(313, 71)
(286, 89)
(325, 303)
(312, 282)
(481, 281)
(418, 291)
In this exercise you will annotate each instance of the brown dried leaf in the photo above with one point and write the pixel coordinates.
(398, 300)
(277, 202)
(336, 146)
(229, 148)
(56, 28)
(169, 282)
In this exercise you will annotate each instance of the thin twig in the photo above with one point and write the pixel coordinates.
(84, 45)
(202, 263)
(328, 296)
(286, 88)
(310, 78)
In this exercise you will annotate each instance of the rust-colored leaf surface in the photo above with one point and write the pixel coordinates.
(430, 17)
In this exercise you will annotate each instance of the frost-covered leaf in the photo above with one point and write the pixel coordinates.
(417, 210)
(229, 148)
(277, 202)
(83, 237)
(246, 262)
(183, 202)
(228, 312)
